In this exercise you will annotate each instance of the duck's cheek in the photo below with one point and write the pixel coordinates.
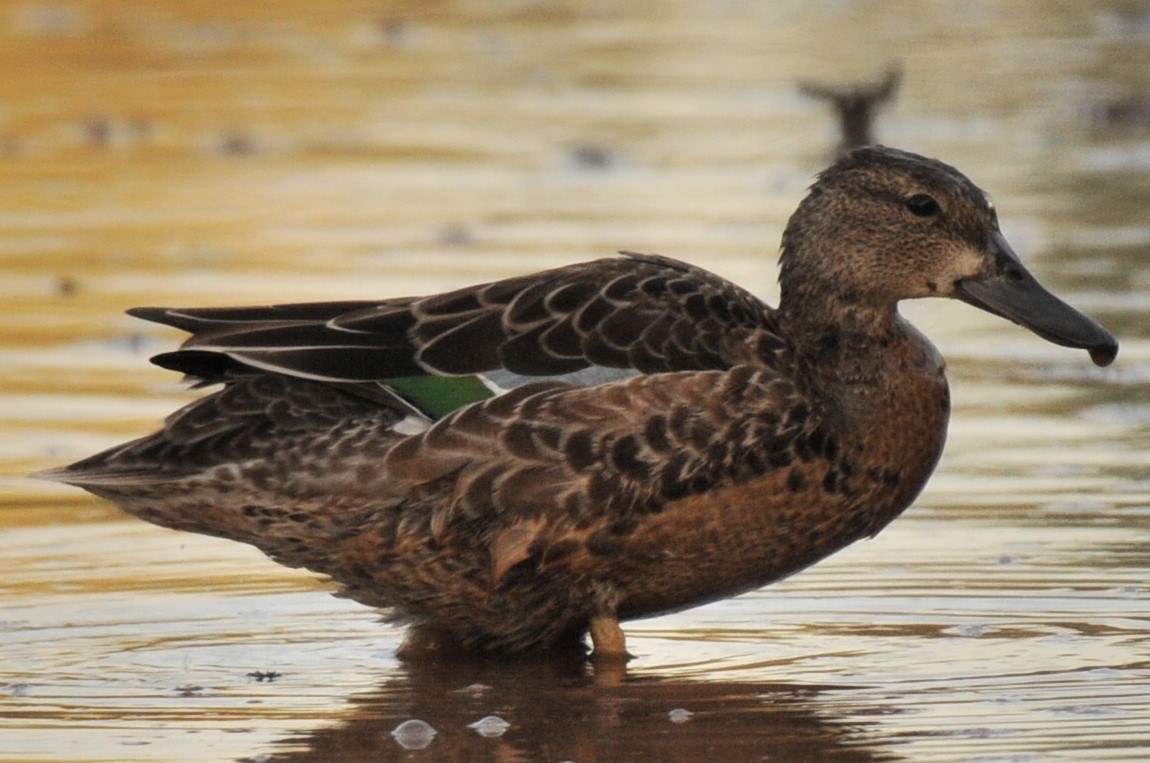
(958, 263)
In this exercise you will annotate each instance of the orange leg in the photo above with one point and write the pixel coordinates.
(607, 638)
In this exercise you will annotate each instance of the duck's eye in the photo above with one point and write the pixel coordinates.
(923, 205)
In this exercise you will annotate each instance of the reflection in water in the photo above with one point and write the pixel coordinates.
(560, 712)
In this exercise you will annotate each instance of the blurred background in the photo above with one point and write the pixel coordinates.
(198, 153)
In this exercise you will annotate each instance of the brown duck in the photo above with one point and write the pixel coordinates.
(510, 465)
(856, 105)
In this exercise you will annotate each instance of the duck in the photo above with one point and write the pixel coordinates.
(508, 467)
(856, 105)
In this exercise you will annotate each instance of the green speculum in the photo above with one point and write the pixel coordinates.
(437, 396)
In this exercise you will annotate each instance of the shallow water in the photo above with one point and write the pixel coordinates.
(192, 153)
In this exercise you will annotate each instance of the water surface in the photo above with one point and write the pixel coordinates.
(193, 153)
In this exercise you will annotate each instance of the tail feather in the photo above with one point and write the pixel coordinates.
(93, 478)
(282, 464)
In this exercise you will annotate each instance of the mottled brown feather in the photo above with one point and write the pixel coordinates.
(645, 312)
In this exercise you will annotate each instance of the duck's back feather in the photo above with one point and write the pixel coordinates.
(642, 312)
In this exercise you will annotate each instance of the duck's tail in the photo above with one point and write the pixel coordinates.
(283, 464)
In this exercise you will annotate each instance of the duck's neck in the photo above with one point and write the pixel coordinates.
(836, 334)
(844, 363)
(880, 384)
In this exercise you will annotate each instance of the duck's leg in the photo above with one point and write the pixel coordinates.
(607, 639)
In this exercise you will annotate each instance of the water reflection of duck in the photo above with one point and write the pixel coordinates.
(856, 105)
(509, 465)
(554, 713)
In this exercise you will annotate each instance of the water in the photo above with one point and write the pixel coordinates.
(193, 153)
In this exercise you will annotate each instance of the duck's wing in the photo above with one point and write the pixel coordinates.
(585, 323)
(641, 312)
(561, 474)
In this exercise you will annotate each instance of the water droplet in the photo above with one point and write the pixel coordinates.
(490, 726)
(414, 734)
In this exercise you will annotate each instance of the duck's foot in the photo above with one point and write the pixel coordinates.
(607, 640)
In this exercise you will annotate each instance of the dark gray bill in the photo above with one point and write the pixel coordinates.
(1007, 289)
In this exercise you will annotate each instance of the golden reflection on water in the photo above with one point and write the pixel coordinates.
(202, 153)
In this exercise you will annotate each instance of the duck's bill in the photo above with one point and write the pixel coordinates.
(1006, 288)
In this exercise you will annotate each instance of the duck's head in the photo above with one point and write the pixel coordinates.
(883, 225)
